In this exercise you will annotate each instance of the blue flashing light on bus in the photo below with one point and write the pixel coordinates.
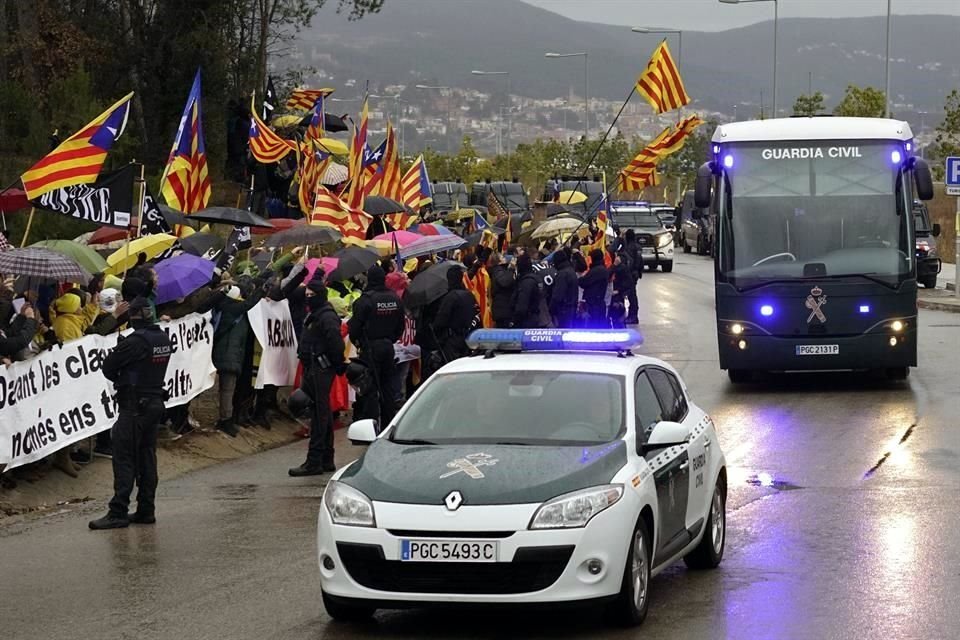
(728, 161)
(896, 156)
(864, 308)
(766, 310)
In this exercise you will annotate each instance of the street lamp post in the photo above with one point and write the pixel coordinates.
(886, 90)
(427, 87)
(505, 74)
(586, 87)
(776, 15)
(679, 48)
(397, 100)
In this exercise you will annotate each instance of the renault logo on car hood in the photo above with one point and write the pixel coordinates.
(453, 500)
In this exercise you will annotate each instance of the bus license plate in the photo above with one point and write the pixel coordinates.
(434, 550)
(818, 349)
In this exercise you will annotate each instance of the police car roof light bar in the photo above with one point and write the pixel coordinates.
(615, 340)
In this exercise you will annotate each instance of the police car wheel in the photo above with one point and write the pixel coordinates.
(346, 609)
(631, 605)
(686, 247)
(709, 552)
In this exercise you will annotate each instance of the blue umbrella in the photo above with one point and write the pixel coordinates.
(181, 275)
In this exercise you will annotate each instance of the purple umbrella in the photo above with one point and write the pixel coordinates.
(181, 275)
(431, 244)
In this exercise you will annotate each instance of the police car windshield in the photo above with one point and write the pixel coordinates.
(833, 203)
(637, 218)
(516, 407)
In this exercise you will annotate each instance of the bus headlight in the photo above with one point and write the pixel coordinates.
(736, 328)
(897, 325)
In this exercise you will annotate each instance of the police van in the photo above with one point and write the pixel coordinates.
(557, 466)
(815, 260)
(653, 236)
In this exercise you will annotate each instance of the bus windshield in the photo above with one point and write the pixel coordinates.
(814, 209)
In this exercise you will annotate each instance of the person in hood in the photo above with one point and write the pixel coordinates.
(594, 284)
(566, 292)
(321, 350)
(456, 314)
(71, 317)
(526, 311)
(377, 323)
(137, 367)
(632, 257)
(112, 310)
(18, 333)
(503, 288)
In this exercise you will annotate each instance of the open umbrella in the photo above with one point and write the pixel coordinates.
(382, 206)
(335, 174)
(556, 226)
(126, 256)
(81, 254)
(332, 146)
(36, 262)
(403, 238)
(13, 199)
(352, 261)
(331, 123)
(430, 285)
(279, 224)
(199, 244)
(464, 213)
(431, 229)
(230, 215)
(179, 276)
(473, 239)
(327, 263)
(572, 197)
(431, 244)
(303, 234)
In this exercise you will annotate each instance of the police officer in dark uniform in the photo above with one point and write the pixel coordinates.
(377, 322)
(138, 368)
(458, 308)
(321, 352)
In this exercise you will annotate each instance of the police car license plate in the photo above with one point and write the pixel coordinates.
(434, 550)
(647, 251)
(818, 349)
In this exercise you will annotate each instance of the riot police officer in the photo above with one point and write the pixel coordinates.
(458, 308)
(138, 368)
(321, 351)
(377, 322)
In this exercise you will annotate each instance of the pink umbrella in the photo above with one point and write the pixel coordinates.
(328, 264)
(431, 229)
(403, 237)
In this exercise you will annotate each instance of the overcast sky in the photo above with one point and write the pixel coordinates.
(711, 15)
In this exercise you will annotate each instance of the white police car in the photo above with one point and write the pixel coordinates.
(554, 474)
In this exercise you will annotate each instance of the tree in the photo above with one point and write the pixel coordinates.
(865, 102)
(948, 135)
(808, 105)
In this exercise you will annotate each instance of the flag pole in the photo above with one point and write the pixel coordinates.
(26, 232)
(142, 200)
(596, 151)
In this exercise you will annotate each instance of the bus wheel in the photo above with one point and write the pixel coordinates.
(898, 373)
(739, 376)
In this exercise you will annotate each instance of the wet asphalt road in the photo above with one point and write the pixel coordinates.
(857, 537)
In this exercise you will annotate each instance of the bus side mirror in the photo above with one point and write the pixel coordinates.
(703, 185)
(923, 179)
(936, 230)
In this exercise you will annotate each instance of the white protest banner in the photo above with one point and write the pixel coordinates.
(271, 323)
(61, 396)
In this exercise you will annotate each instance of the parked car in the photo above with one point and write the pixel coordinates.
(928, 257)
(696, 229)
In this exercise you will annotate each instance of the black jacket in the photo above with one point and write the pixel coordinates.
(622, 278)
(563, 299)
(456, 313)
(321, 337)
(17, 336)
(594, 285)
(139, 362)
(526, 311)
(377, 315)
(104, 325)
(503, 287)
(633, 254)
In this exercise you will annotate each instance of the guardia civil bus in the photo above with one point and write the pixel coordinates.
(815, 267)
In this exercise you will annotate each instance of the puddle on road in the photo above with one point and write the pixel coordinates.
(769, 481)
(234, 491)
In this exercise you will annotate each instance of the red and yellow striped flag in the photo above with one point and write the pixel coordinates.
(401, 221)
(642, 170)
(305, 99)
(186, 183)
(265, 145)
(357, 190)
(386, 180)
(331, 211)
(660, 83)
(415, 186)
(78, 159)
(313, 164)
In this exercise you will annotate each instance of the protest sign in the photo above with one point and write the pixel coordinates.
(273, 327)
(61, 396)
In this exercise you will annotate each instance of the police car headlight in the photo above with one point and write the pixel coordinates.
(665, 241)
(575, 509)
(348, 506)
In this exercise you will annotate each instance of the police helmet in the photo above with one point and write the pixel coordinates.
(360, 376)
(299, 403)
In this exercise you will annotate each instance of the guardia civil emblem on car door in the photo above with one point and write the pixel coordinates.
(815, 303)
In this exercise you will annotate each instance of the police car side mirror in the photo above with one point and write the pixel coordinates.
(362, 432)
(923, 179)
(665, 435)
(703, 185)
(935, 231)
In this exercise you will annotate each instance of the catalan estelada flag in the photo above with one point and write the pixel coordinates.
(387, 180)
(415, 186)
(331, 211)
(315, 129)
(313, 164)
(358, 146)
(305, 99)
(78, 159)
(186, 183)
(265, 145)
(660, 83)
